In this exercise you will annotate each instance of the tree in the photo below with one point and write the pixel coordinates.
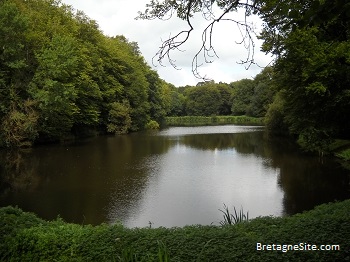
(225, 98)
(17, 113)
(53, 89)
(264, 92)
(203, 100)
(312, 72)
(158, 96)
(242, 94)
(89, 80)
(119, 118)
(129, 70)
(310, 42)
(60, 76)
(177, 104)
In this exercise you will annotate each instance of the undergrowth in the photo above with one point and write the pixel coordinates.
(25, 237)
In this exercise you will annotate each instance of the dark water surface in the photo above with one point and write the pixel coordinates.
(174, 177)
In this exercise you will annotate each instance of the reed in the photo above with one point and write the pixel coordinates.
(233, 218)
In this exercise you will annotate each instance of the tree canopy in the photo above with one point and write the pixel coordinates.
(250, 97)
(310, 42)
(60, 76)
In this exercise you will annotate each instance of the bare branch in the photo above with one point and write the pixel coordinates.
(185, 9)
(173, 43)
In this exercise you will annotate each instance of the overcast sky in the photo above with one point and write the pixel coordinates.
(117, 17)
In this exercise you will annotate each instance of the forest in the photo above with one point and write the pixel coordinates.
(61, 77)
(249, 97)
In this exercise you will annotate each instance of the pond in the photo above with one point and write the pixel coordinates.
(173, 177)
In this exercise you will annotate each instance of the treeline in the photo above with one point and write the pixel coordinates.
(249, 97)
(308, 87)
(310, 43)
(61, 76)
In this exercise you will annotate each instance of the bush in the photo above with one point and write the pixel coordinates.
(152, 125)
(27, 238)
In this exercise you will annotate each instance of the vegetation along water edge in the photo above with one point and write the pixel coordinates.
(62, 77)
(25, 237)
(213, 120)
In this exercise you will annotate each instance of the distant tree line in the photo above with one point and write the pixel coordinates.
(61, 76)
(310, 41)
(250, 97)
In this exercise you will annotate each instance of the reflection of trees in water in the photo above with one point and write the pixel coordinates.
(306, 180)
(18, 171)
(245, 143)
(106, 173)
(78, 181)
(140, 143)
(128, 191)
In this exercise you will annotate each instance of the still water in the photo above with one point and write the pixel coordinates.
(174, 177)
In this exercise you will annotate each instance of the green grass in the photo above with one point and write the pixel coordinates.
(212, 120)
(25, 237)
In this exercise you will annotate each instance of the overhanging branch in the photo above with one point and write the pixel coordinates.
(185, 10)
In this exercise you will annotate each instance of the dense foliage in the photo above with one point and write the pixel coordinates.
(25, 237)
(312, 68)
(60, 76)
(310, 42)
(250, 97)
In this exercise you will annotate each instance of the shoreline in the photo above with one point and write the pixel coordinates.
(25, 237)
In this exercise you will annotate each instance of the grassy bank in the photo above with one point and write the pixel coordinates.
(212, 120)
(25, 237)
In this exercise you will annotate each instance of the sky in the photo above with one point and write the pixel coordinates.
(117, 17)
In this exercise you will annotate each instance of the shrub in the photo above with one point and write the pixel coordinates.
(27, 238)
(152, 125)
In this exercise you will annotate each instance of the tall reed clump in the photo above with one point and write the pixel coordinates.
(232, 219)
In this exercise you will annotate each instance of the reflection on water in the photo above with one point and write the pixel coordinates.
(174, 177)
